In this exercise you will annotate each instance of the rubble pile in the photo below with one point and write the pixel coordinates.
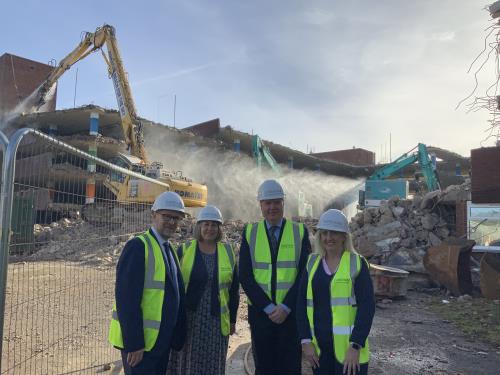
(399, 232)
(75, 240)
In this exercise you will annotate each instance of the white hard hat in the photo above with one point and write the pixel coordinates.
(333, 220)
(209, 213)
(270, 189)
(168, 200)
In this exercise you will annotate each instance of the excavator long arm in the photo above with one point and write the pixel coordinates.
(85, 48)
(91, 42)
(261, 151)
(430, 175)
(394, 167)
(422, 156)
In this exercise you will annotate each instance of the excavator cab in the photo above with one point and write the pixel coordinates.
(126, 162)
(380, 186)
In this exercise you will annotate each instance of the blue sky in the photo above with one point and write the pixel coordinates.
(321, 74)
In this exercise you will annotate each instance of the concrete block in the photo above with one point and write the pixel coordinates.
(365, 247)
(429, 221)
(397, 211)
(434, 240)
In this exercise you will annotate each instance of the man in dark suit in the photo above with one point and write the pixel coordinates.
(273, 255)
(148, 317)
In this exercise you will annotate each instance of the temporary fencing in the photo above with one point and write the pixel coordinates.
(62, 232)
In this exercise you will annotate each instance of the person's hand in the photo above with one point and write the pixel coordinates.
(278, 315)
(351, 362)
(134, 358)
(310, 354)
(232, 328)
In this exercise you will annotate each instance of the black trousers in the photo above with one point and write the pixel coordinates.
(276, 348)
(151, 364)
(328, 364)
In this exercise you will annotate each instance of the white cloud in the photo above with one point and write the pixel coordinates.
(322, 73)
(446, 36)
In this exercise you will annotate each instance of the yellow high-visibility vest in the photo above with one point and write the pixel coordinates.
(152, 295)
(288, 257)
(225, 264)
(342, 302)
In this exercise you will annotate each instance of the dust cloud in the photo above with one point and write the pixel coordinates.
(26, 106)
(233, 179)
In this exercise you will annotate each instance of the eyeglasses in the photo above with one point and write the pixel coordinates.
(170, 218)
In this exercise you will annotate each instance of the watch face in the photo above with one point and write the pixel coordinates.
(355, 346)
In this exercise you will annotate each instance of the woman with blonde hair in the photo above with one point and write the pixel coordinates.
(212, 298)
(336, 304)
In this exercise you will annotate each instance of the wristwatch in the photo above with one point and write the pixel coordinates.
(355, 346)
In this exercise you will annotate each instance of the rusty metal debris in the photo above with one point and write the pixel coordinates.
(448, 264)
(490, 276)
(389, 281)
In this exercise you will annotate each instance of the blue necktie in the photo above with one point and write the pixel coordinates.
(170, 266)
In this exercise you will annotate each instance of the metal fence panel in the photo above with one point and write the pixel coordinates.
(61, 267)
(4, 229)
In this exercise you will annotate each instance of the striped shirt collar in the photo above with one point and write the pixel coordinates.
(268, 225)
(160, 239)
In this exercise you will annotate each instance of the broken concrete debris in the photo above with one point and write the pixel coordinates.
(399, 232)
(101, 246)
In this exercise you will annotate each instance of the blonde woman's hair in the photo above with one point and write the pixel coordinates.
(318, 247)
(197, 232)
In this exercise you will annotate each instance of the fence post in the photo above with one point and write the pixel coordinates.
(4, 142)
(67, 169)
(8, 174)
(5, 230)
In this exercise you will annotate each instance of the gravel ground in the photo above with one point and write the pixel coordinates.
(56, 318)
(407, 338)
(57, 315)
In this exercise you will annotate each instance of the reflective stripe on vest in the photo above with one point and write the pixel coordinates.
(342, 301)
(288, 257)
(225, 269)
(152, 296)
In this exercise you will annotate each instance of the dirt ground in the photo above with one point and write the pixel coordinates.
(57, 315)
(407, 338)
(56, 318)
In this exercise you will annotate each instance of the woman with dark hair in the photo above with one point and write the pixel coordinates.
(336, 303)
(212, 297)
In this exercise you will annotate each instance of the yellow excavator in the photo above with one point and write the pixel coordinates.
(123, 187)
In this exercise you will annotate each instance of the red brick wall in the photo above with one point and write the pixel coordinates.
(19, 77)
(485, 175)
(354, 156)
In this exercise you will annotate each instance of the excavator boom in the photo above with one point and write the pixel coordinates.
(261, 152)
(378, 187)
(194, 194)
(91, 42)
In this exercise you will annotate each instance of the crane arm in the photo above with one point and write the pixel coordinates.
(422, 156)
(394, 167)
(430, 175)
(261, 151)
(83, 49)
(131, 125)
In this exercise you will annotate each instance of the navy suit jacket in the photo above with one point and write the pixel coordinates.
(129, 287)
(254, 292)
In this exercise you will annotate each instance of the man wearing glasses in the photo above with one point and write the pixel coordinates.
(148, 318)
